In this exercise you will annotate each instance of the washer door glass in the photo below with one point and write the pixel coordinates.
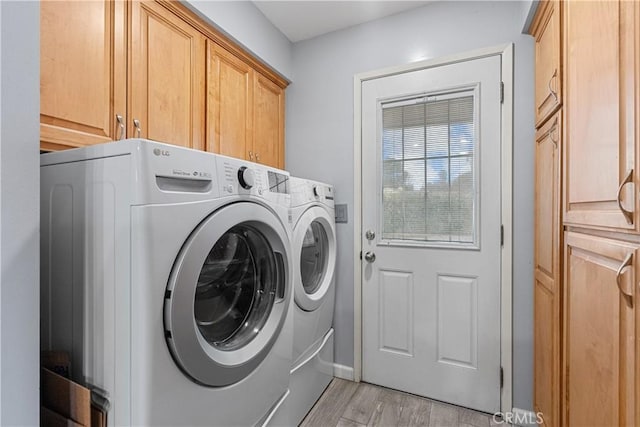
(313, 257)
(236, 288)
(227, 297)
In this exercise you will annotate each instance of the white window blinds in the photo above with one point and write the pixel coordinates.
(428, 170)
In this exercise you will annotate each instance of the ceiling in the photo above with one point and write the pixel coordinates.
(305, 19)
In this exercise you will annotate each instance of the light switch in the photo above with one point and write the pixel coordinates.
(342, 215)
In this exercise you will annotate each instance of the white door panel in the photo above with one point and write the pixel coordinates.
(431, 198)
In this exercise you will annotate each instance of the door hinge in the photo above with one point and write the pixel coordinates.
(501, 235)
(501, 92)
(501, 377)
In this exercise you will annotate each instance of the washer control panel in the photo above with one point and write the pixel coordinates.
(237, 176)
(246, 177)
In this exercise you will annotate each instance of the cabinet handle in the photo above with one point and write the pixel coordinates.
(136, 124)
(626, 263)
(628, 215)
(257, 157)
(553, 92)
(251, 155)
(121, 125)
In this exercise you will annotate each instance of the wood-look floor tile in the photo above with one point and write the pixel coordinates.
(327, 411)
(387, 413)
(415, 412)
(443, 415)
(363, 403)
(493, 423)
(343, 422)
(389, 409)
(349, 404)
(474, 418)
(388, 395)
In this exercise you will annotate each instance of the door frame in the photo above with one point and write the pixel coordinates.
(506, 176)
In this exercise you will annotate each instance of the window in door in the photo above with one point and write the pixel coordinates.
(429, 170)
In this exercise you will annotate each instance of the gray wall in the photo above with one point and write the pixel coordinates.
(319, 132)
(19, 212)
(245, 23)
(529, 8)
(20, 185)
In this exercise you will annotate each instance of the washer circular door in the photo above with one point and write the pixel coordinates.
(228, 294)
(314, 244)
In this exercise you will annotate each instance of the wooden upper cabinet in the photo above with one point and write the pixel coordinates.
(547, 291)
(82, 72)
(229, 103)
(601, 83)
(268, 122)
(546, 31)
(153, 69)
(166, 77)
(245, 110)
(600, 295)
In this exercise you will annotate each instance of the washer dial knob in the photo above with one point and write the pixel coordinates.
(246, 177)
(316, 193)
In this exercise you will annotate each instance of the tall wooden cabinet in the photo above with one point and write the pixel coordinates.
(599, 342)
(601, 76)
(547, 273)
(548, 77)
(154, 69)
(587, 239)
(547, 291)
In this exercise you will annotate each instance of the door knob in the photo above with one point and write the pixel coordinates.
(370, 235)
(369, 256)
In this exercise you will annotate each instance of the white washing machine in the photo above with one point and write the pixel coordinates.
(314, 258)
(166, 274)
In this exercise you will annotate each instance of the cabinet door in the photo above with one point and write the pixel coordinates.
(600, 82)
(229, 104)
(268, 122)
(546, 31)
(82, 72)
(547, 272)
(600, 282)
(166, 77)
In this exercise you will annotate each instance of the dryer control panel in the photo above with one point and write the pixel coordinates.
(304, 191)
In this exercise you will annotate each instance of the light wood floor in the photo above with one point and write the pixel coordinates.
(348, 404)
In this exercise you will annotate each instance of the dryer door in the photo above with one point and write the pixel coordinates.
(314, 244)
(228, 294)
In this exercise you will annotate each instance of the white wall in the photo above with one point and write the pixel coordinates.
(245, 23)
(319, 132)
(19, 212)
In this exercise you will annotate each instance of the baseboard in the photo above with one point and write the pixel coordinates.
(344, 372)
(523, 418)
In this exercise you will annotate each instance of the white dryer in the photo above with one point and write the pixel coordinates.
(166, 274)
(314, 258)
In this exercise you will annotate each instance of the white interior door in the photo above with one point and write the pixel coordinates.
(431, 237)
